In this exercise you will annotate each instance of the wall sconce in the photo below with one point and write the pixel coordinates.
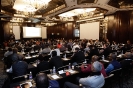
(11, 31)
(58, 33)
(52, 33)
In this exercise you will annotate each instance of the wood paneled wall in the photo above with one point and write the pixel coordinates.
(64, 30)
(120, 26)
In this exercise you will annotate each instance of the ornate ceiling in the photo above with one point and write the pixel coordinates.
(57, 7)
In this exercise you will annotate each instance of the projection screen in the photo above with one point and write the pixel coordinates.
(89, 30)
(44, 32)
(16, 31)
(31, 32)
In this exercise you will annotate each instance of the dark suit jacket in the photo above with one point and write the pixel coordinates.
(19, 68)
(44, 65)
(78, 57)
(56, 61)
(126, 63)
(107, 51)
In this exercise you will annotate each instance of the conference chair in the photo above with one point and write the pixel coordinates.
(117, 78)
(63, 68)
(108, 81)
(45, 71)
(20, 78)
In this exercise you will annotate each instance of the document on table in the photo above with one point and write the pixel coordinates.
(55, 76)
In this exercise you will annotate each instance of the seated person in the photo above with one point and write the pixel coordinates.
(54, 48)
(93, 51)
(78, 56)
(14, 57)
(106, 51)
(127, 62)
(87, 67)
(46, 49)
(43, 65)
(43, 56)
(114, 64)
(19, 68)
(9, 52)
(95, 81)
(42, 81)
(55, 61)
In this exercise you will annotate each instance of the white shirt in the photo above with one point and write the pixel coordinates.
(92, 81)
(75, 46)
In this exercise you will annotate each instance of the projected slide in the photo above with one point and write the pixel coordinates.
(31, 32)
(89, 30)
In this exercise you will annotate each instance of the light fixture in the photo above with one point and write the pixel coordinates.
(38, 4)
(29, 7)
(76, 12)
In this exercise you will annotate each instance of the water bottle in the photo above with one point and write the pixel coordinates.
(69, 67)
(103, 57)
(65, 56)
(54, 70)
(85, 61)
(30, 75)
(122, 52)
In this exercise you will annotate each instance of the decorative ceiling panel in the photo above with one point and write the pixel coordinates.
(86, 1)
(121, 3)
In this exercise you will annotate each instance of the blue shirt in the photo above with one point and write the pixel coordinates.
(109, 68)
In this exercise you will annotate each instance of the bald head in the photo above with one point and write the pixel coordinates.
(128, 54)
(42, 80)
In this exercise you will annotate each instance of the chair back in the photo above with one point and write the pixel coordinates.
(63, 67)
(108, 81)
(45, 71)
(117, 73)
(20, 78)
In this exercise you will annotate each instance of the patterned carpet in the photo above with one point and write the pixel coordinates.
(3, 75)
(126, 84)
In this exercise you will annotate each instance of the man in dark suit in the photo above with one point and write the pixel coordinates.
(55, 60)
(14, 57)
(43, 65)
(106, 51)
(78, 56)
(127, 62)
(19, 68)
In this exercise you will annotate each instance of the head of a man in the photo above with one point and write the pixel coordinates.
(96, 67)
(76, 49)
(128, 55)
(112, 56)
(54, 53)
(42, 80)
(94, 58)
(15, 50)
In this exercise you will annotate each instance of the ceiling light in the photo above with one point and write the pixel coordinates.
(76, 12)
(27, 7)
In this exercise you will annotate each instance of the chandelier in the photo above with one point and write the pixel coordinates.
(29, 7)
(37, 4)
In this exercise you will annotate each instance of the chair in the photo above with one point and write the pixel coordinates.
(63, 67)
(126, 73)
(108, 81)
(117, 76)
(45, 71)
(20, 78)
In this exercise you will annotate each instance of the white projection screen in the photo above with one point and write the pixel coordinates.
(44, 32)
(32, 32)
(89, 30)
(16, 31)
